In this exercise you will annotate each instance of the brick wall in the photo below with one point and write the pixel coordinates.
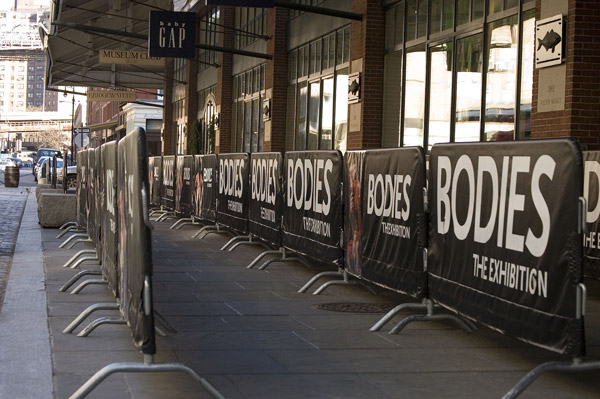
(581, 116)
(276, 77)
(366, 43)
(224, 93)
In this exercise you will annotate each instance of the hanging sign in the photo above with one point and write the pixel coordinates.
(549, 41)
(127, 96)
(172, 34)
(124, 57)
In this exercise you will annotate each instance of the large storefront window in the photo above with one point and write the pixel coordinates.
(469, 78)
(248, 124)
(318, 75)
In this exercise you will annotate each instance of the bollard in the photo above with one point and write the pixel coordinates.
(11, 176)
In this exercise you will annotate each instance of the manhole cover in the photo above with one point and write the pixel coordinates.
(355, 307)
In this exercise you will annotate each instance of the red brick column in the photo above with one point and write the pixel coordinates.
(224, 94)
(580, 117)
(366, 56)
(168, 136)
(276, 79)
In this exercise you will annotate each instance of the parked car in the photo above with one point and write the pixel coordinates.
(37, 165)
(71, 175)
(4, 162)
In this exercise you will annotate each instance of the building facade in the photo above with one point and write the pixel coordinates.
(386, 73)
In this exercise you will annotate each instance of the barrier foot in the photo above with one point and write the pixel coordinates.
(180, 222)
(234, 239)
(98, 322)
(203, 229)
(285, 258)
(88, 311)
(84, 259)
(576, 365)
(71, 229)
(68, 224)
(78, 241)
(78, 254)
(316, 277)
(76, 277)
(426, 317)
(218, 230)
(74, 236)
(249, 242)
(160, 332)
(81, 286)
(165, 216)
(262, 255)
(146, 367)
(345, 281)
(389, 315)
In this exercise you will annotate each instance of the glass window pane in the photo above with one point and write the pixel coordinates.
(247, 126)
(496, 6)
(501, 80)
(327, 118)
(240, 127)
(411, 20)
(527, 74)
(422, 19)
(448, 20)
(346, 57)
(399, 24)
(469, 68)
(478, 9)
(255, 125)
(464, 12)
(261, 126)
(341, 109)
(390, 28)
(392, 92)
(313, 58)
(414, 106)
(435, 18)
(511, 4)
(340, 47)
(302, 103)
(313, 116)
(440, 93)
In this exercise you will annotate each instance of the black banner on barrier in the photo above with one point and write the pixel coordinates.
(266, 196)
(183, 185)
(91, 223)
(205, 187)
(82, 189)
(167, 198)
(312, 210)
(353, 225)
(155, 180)
(100, 194)
(135, 248)
(591, 192)
(504, 247)
(110, 222)
(392, 232)
(232, 196)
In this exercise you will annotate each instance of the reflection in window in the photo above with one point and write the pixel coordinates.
(313, 116)
(440, 94)
(341, 110)
(469, 66)
(392, 90)
(301, 132)
(501, 80)
(527, 74)
(327, 118)
(414, 104)
(247, 125)
(255, 136)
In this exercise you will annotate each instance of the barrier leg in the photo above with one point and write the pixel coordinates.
(262, 255)
(78, 241)
(74, 236)
(88, 311)
(203, 229)
(78, 254)
(217, 230)
(71, 229)
(149, 367)
(344, 281)
(466, 325)
(285, 258)
(84, 259)
(165, 216)
(81, 286)
(234, 239)
(68, 224)
(316, 277)
(98, 322)
(251, 241)
(180, 223)
(576, 365)
(389, 315)
(76, 277)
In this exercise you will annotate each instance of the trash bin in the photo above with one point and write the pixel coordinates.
(11, 176)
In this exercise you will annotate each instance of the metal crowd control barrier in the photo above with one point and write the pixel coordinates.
(167, 193)
(184, 173)
(135, 263)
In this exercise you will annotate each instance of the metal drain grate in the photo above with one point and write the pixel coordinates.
(355, 307)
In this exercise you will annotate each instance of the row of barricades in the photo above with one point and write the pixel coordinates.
(494, 232)
(112, 209)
